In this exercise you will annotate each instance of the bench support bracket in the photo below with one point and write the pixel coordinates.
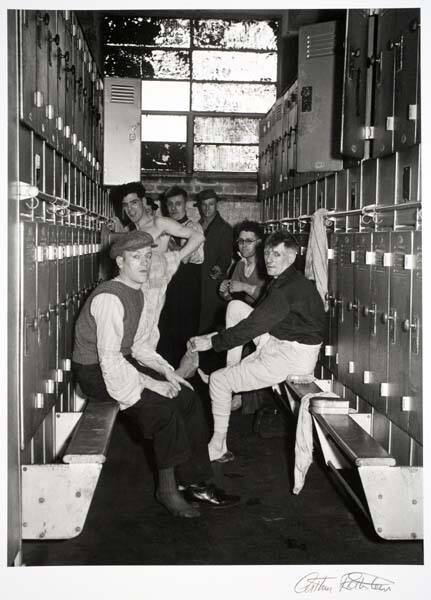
(56, 499)
(394, 496)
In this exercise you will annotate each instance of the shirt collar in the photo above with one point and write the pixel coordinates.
(287, 274)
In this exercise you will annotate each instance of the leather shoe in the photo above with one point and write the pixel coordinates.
(228, 456)
(211, 495)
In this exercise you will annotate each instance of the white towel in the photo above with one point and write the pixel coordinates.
(316, 260)
(304, 440)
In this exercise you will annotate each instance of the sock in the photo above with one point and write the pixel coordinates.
(168, 495)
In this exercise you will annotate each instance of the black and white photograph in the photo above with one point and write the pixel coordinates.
(214, 329)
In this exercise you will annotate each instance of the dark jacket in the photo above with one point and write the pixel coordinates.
(289, 309)
(217, 252)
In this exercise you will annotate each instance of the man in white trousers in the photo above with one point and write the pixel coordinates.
(287, 326)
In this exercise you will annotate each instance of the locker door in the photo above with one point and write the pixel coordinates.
(293, 129)
(399, 338)
(29, 327)
(355, 83)
(285, 141)
(62, 60)
(369, 188)
(28, 87)
(49, 170)
(361, 303)
(43, 20)
(353, 197)
(408, 185)
(407, 78)
(414, 398)
(44, 384)
(66, 83)
(340, 199)
(383, 141)
(330, 193)
(320, 193)
(261, 186)
(330, 350)
(62, 307)
(53, 361)
(386, 180)
(38, 163)
(52, 41)
(345, 312)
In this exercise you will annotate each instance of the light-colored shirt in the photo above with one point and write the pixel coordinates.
(123, 382)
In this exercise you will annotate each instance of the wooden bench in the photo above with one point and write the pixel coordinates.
(393, 493)
(56, 497)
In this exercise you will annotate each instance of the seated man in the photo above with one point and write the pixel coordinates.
(287, 326)
(111, 360)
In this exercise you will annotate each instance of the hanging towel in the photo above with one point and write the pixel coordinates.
(316, 260)
(304, 440)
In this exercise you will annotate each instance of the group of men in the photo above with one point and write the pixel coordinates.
(115, 353)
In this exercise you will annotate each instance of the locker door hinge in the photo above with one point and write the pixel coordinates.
(369, 133)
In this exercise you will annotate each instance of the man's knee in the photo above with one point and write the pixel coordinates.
(218, 380)
(236, 311)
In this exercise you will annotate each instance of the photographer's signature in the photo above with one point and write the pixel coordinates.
(352, 581)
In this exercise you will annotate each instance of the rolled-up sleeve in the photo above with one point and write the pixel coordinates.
(123, 382)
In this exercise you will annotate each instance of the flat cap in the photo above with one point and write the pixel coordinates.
(206, 194)
(133, 240)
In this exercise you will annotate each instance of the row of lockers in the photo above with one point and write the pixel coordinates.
(388, 181)
(61, 90)
(59, 268)
(54, 174)
(325, 117)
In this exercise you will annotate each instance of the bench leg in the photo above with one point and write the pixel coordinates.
(56, 499)
(395, 501)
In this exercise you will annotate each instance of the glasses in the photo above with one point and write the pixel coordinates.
(246, 242)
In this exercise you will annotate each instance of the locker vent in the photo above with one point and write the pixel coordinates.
(123, 94)
(320, 44)
(278, 112)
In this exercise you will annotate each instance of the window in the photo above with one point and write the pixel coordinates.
(205, 85)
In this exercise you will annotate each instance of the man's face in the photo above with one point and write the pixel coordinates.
(278, 259)
(247, 243)
(134, 207)
(176, 206)
(135, 265)
(208, 207)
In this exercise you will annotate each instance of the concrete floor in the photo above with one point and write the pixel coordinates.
(271, 526)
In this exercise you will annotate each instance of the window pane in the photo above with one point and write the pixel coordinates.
(218, 33)
(123, 62)
(166, 64)
(234, 66)
(147, 31)
(233, 97)
(164, 128)
(232, 130)
(165, 95)
(163, 157)
(226, 158)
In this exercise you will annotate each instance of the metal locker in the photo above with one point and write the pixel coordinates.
(66, 83)
(381, 429)
(407, 73)
(320, 193)
(122, 131)
(346, 366)
(340, 199)
(261, 186)
(49, 170)
(386, 180)
(354, 197)
(378, 325)
(402, 260)
(312, 193)
(58, 175)
(408, 185)
(99, 122)
(298, 202)
(38, 163)
(304, 194)
(73, 184)
(383, 64)
(29, 331)
(285, 141)
(51, 43)
(413, 401)
(25, 154)
(355, 83)
(369, 190)
(30, 99)
(278, 144)
(330, 193)
(62, 61)
(43, 20)
(293, 129)
(319, 97)
(302, 239)
(330, 350)
(363, 261)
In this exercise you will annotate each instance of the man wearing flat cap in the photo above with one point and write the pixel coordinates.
(218, 248)
(112, 360)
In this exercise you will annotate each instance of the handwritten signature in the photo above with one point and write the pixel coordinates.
(355, 580)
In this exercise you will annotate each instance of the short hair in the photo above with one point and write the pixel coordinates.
(133, 187)
(252, 226)
(175, 190)
(282, 237)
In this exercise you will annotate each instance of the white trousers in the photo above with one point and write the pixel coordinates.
(270, 364)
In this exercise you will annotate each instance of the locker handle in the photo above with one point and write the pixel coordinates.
(351, 306)
(406, 325)
(366, 311)
(45, 315)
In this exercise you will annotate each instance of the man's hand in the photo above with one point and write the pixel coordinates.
(201, 343)
(168, 389)
(176, 379)
(236, 286)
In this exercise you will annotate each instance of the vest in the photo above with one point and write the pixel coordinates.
(85, 349)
